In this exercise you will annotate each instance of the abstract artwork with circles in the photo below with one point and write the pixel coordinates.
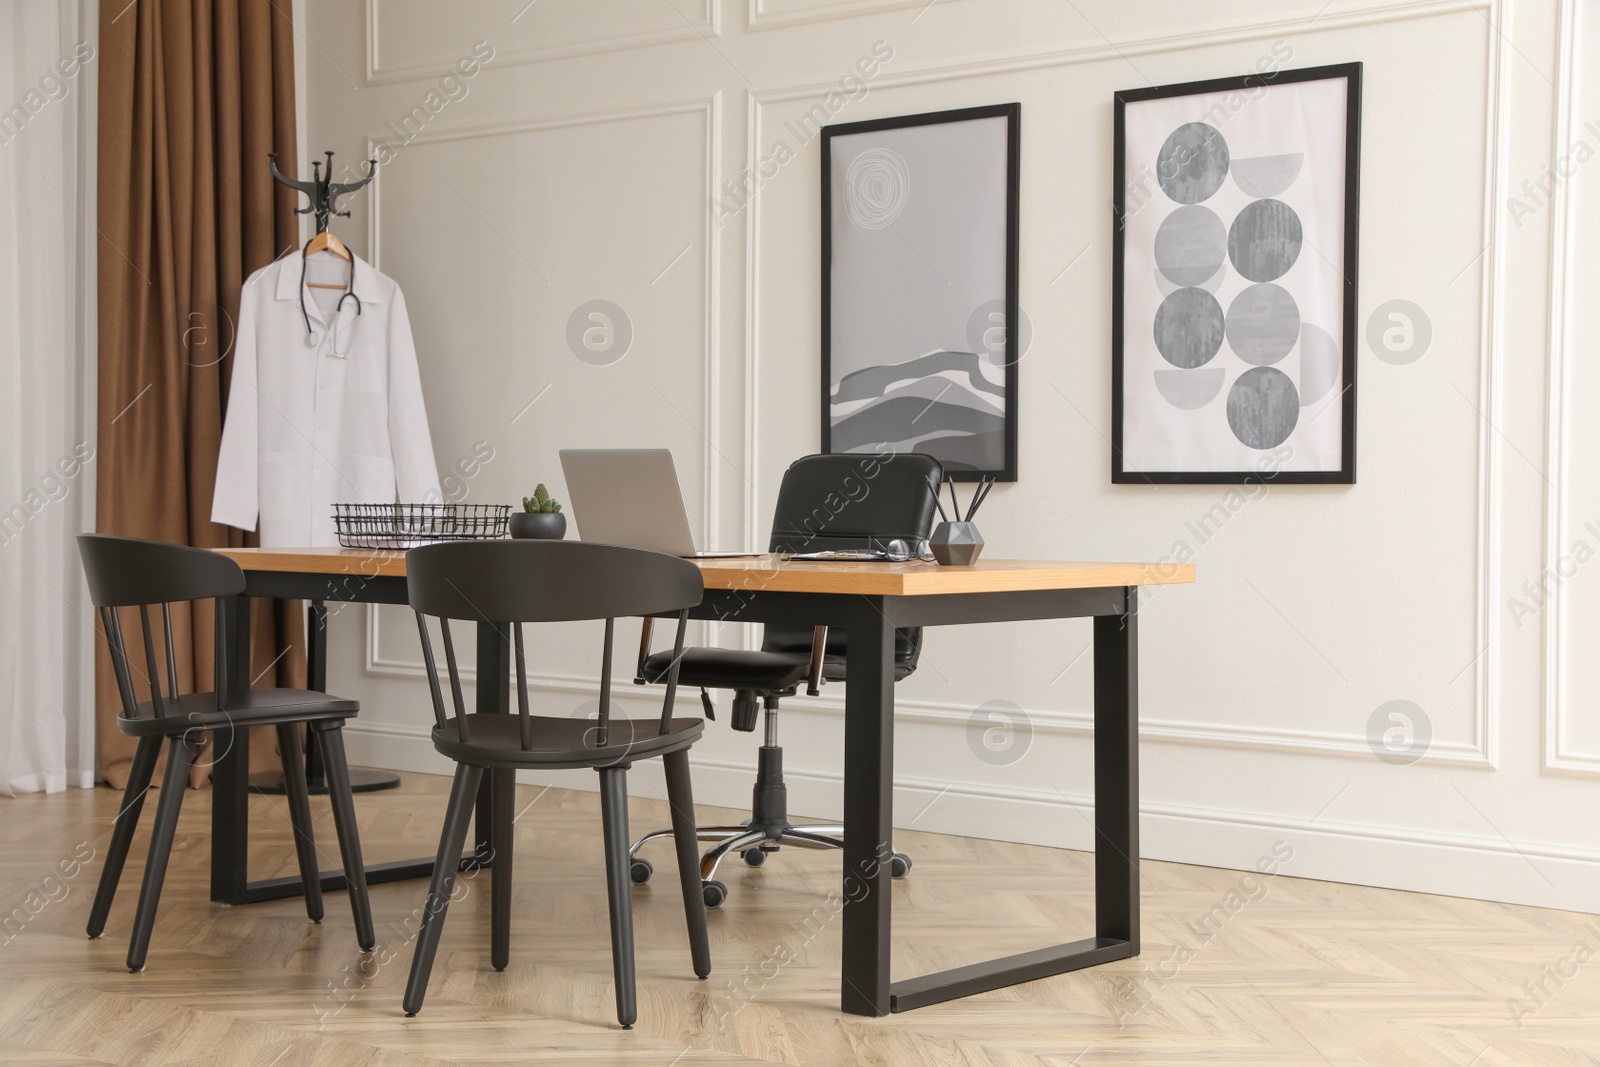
(1234, 279)
(919, 281)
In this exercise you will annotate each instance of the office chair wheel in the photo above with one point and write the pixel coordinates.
(754, 857)
(640, 870)
(899, 865)
(715, 893)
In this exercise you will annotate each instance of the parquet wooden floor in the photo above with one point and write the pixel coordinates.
(1237, 969)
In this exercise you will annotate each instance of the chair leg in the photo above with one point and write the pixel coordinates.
(702, 833)
(299, 797)
(453, 837)
(503, 784)
(680, 797)
(180, 755)
(337, 771)
(619, 886)
(717, 853)
(127, 821)
(806, 839)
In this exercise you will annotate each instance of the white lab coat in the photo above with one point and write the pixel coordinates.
(306, 427)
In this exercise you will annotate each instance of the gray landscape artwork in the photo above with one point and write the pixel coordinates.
(918, 233)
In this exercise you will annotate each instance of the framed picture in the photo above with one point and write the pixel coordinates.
(919, 282)
(1233, 303)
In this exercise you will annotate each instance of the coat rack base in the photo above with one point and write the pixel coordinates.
(361, 781)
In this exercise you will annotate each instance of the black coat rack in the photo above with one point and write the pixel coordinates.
(324, 194)
(322, 190)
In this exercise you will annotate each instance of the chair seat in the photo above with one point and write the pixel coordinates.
(495, 740)
(728, 668)
(256, 707)
(834, 668)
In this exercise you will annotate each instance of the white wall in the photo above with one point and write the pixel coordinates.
(585, 161)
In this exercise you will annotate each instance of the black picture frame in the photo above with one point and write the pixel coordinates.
(1012, 113)
(1346, 474)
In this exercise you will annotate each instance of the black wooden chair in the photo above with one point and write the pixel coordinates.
(124, 572)
(504, 584)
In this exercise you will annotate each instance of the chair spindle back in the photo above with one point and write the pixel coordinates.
(126, 572)
(504, 584)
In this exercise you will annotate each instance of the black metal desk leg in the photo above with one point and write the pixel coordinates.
(361, 780)
(868, 812)
(230, 770)
(494, 696)
(1116, 774)
(317, 646)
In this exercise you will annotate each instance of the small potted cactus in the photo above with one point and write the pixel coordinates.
(539, 518)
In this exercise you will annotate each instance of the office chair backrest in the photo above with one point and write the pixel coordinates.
(126, 572)
(853, 501)
(846, 501)
(508, 583)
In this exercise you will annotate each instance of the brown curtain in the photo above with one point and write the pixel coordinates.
(193, 95)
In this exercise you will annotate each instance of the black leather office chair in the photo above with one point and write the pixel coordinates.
(840, 502)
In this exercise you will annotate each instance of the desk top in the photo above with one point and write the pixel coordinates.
(797, 576)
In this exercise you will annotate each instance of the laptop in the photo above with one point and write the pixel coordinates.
(630, 496)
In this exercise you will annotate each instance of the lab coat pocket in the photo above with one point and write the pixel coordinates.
(278, 486)
(368, 370)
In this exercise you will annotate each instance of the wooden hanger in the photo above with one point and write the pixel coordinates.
(328, 241)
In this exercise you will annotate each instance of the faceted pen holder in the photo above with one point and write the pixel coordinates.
(956, 544)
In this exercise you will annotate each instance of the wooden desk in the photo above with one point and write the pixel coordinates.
(331, 566)
(869, 601)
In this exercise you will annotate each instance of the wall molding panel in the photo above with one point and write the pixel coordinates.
(1487, 666)
(770, 14)
(1481, 750)
(709, 107)
(1337, 18)
(1558, 754)
(707, 24)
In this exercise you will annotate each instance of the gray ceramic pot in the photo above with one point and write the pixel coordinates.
(956, 544)
(538, 525)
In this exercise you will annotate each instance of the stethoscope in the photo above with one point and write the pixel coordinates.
(312, 337)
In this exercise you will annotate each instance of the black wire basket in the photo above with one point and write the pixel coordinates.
(410, 525)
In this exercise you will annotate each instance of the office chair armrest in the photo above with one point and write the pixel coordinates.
(819, 647)
(644, 649)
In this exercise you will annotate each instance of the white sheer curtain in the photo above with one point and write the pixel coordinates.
(47, 287)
